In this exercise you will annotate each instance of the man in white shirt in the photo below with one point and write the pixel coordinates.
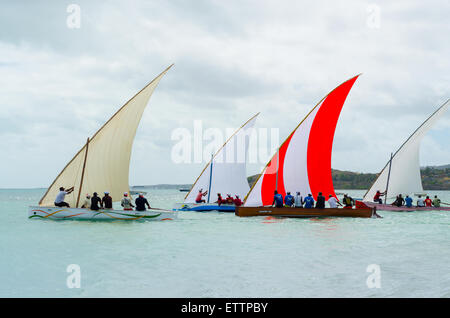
(87, 202)
(420, 201)
(298, 201)
(332, 202)
(59, 201)
(126, 203)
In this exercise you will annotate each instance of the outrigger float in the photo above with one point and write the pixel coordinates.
(205, 207)
(404, 208)
(303, 164)
(102, 164)
(53, 213)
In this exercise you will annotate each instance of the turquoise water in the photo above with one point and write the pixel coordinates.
(220, 255)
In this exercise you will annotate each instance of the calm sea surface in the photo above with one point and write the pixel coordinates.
(220, 255)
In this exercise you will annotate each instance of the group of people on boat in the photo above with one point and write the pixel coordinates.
(96, 203)
(297, 201)
(408, 201)
(228, 200)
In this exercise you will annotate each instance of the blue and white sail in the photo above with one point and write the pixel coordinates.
(226, 172)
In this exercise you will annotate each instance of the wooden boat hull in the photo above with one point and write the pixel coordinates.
(205, 207)
(304, 212)
(57, 213)
(393, 208)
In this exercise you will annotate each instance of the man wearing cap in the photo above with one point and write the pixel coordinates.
(59, 201)
(141, 202)
(107, 201)
(126, 203)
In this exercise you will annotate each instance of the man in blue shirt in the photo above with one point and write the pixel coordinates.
(277, 200)
(309, 201)
(408, 201)
(289, 200)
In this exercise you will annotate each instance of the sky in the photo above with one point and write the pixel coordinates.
(60, 80)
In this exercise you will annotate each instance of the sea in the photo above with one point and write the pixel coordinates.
(403, 254)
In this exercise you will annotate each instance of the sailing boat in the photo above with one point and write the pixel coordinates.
(303, 164)
(225, 173)
(102, 164)
(401, 174)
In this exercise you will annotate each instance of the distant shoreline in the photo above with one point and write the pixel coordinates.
(433, 178)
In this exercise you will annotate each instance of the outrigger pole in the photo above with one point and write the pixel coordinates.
(389, 175)
(82, 173)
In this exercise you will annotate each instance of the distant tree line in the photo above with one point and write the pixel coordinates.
(433, 178)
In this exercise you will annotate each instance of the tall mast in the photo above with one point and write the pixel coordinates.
(82, 173)
(278, 164)
(210, 177)
(387, 183)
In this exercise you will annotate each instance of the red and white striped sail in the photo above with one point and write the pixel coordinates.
(303, 162)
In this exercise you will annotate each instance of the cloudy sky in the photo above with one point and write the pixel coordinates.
(58, 84)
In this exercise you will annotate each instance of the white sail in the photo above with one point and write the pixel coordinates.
(405, 177)
(228, 168)
(105, 167)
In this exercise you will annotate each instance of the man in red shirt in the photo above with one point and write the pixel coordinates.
(428, 201)
(200, 194)
(237, 201)
(219, 199)
(377, 197)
